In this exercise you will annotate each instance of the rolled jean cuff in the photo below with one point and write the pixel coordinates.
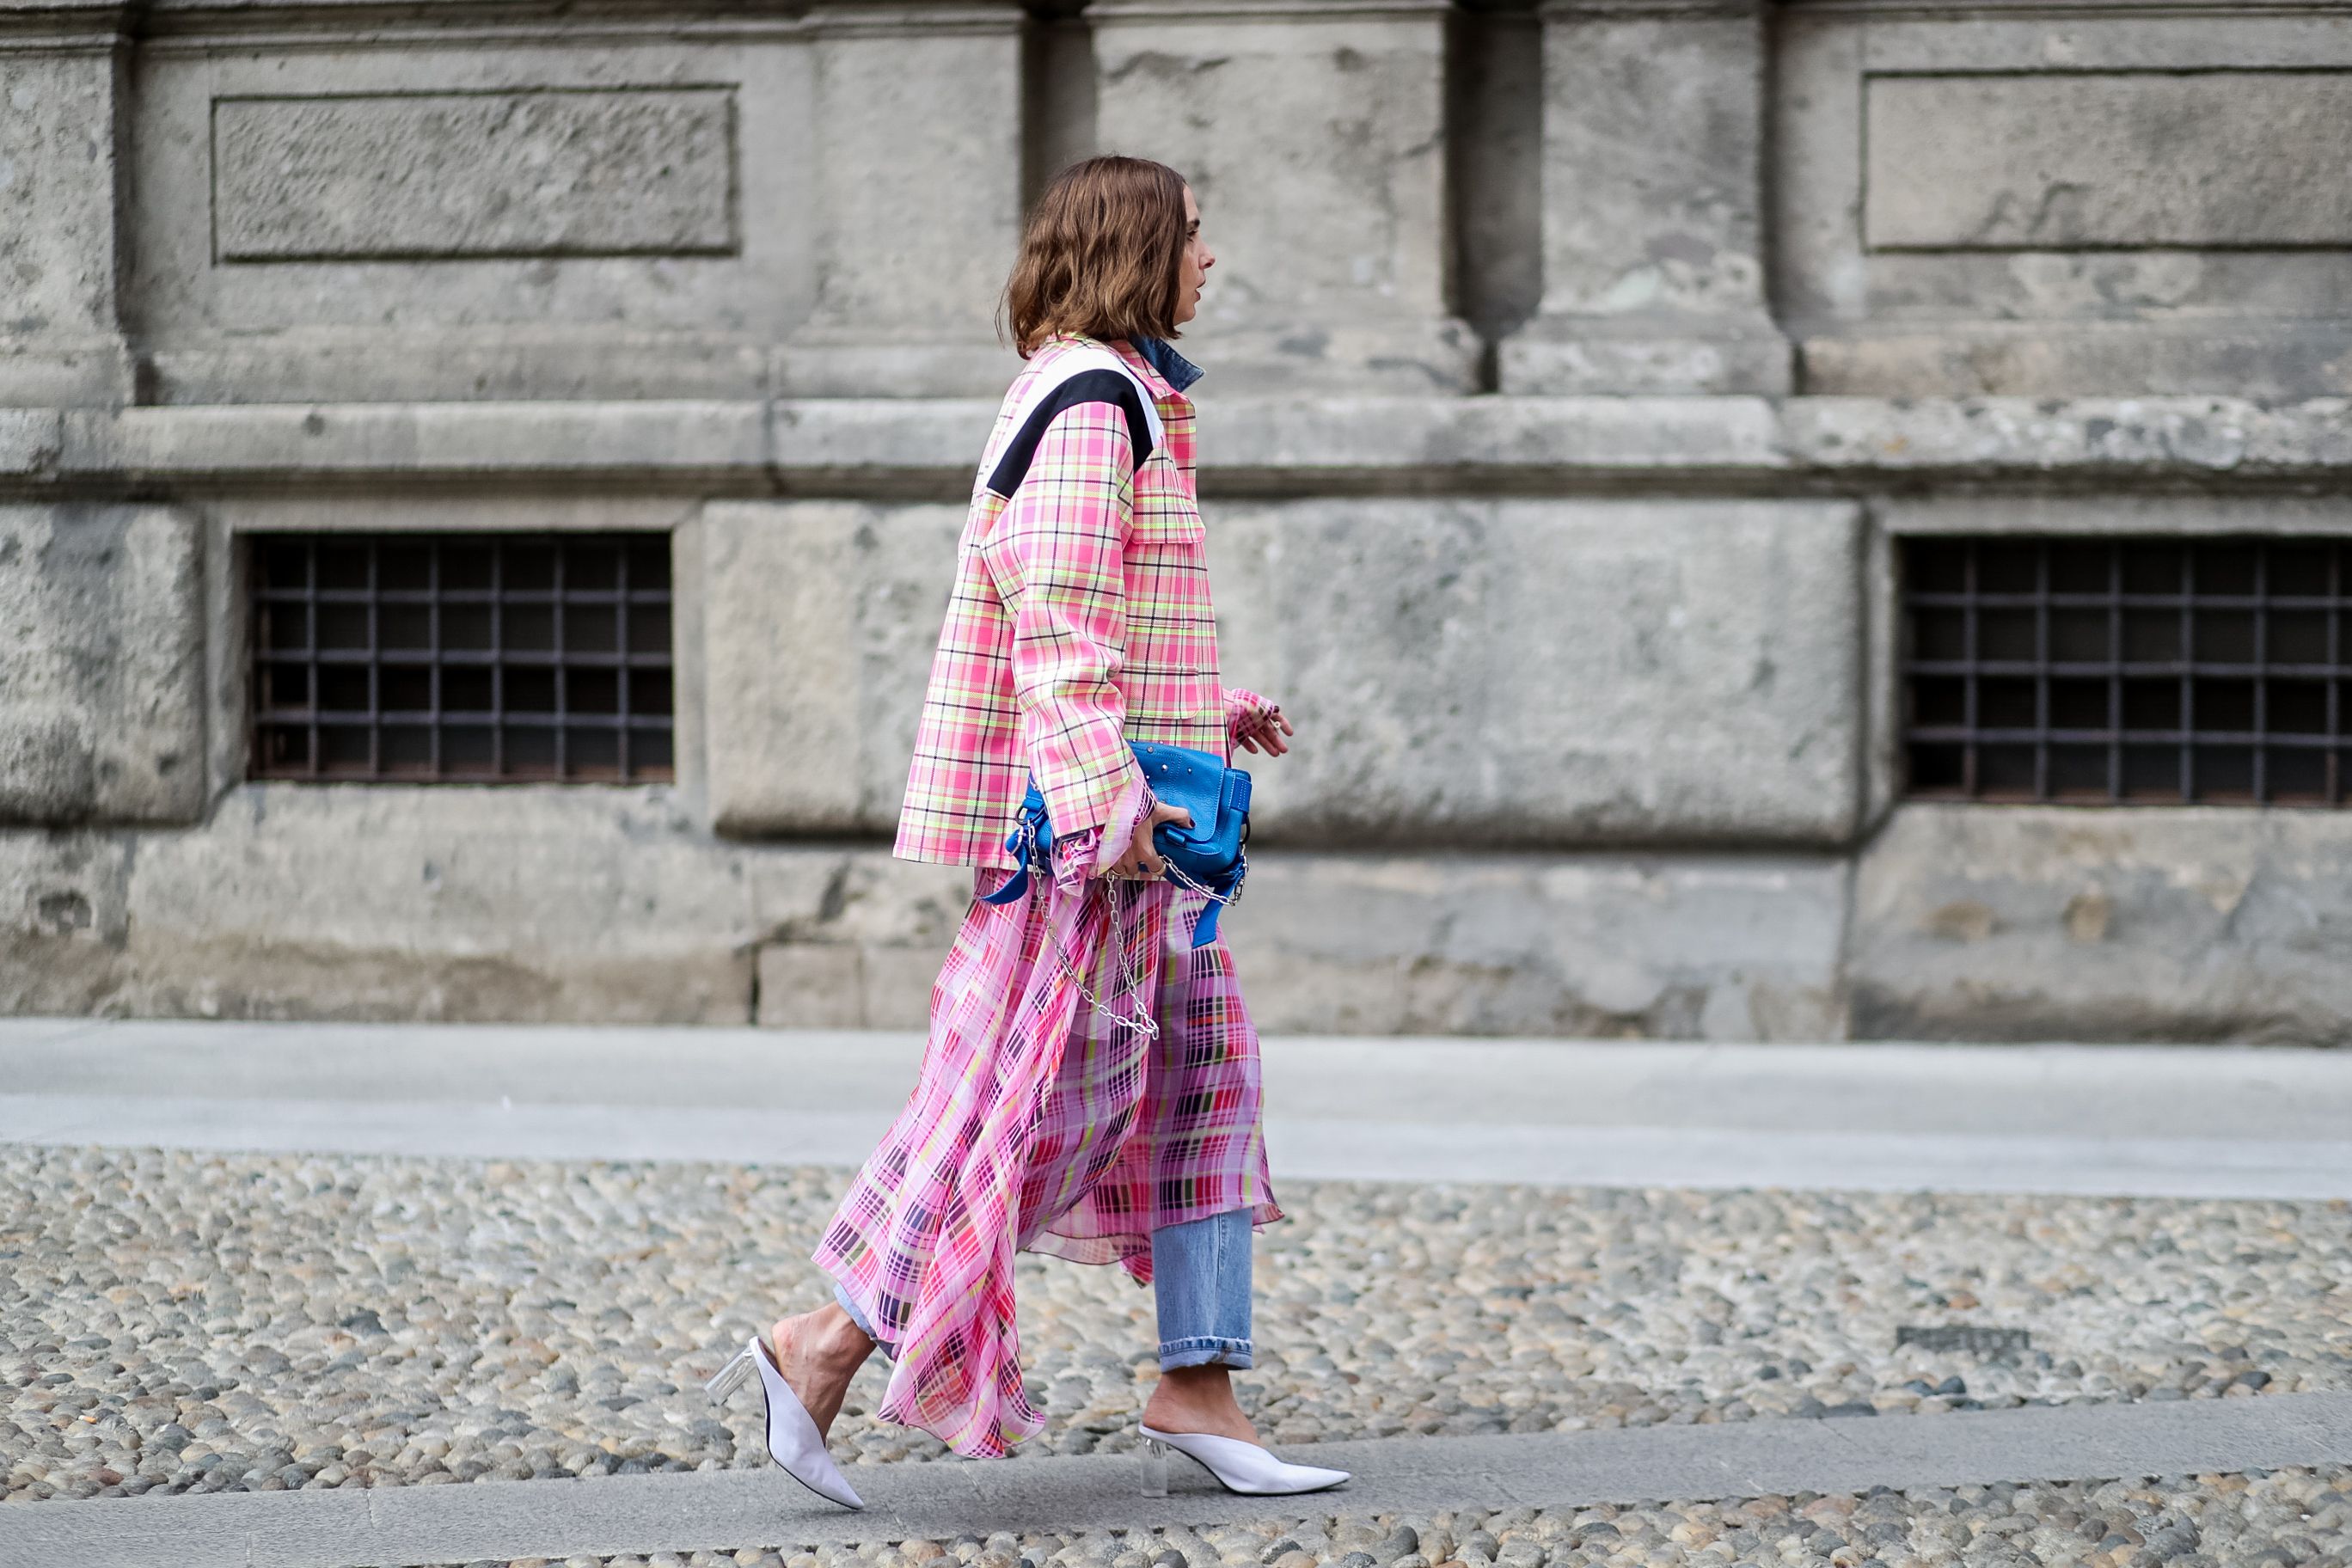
(1203, 1350)
(850, 1307)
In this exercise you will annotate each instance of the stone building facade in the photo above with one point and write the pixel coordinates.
(1704, 474)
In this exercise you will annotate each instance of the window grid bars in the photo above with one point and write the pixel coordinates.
(288, 592)
(2228, 738)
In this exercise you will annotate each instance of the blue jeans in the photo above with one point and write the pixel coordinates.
(1200, 1282)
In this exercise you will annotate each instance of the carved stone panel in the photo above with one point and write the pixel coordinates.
(421, 175)
(2121, 160)
(533, 214)
(2098, 199)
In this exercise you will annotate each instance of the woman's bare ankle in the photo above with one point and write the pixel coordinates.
(837, 1337)
(827, 1341)
(1198, 1399)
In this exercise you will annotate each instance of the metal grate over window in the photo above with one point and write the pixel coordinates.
(461, 657)
(2127, 670)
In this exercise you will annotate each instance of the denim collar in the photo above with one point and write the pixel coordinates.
(1174, 368)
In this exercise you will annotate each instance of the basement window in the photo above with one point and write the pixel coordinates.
(2126, 671)
(460, 657)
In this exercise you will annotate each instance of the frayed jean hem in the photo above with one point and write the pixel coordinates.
(1204, 1351)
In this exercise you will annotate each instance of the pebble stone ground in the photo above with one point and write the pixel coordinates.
(2284, 1519)
(186, 1323)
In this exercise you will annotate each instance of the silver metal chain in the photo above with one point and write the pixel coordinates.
(1241, 868)
(1130, 974)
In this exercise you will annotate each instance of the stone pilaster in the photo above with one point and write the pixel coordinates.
(102, 711)
(916, 198)
(62, 87)
(1313, 133)
(1653, 189)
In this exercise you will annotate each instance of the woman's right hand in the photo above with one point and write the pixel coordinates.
(1142, 859)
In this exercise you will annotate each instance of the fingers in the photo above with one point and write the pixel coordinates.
(1265, 735)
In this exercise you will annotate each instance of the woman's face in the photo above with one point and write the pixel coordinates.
(1198, 259)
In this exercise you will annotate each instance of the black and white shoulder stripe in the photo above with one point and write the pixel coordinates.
(1078, 376)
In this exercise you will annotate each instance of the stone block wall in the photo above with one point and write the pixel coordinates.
(1577, 369)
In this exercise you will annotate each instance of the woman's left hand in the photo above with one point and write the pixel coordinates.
(1266, 733)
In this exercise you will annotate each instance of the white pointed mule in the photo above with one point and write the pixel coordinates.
(1239, 1466)
(794, 1440)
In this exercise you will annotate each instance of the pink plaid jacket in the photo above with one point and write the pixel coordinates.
(1079, 621)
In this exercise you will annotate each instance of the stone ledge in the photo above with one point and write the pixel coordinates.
(870, 445)
(2189, 923)
(548, 904)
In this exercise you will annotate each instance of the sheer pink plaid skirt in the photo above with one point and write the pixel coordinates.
(1041, 1124)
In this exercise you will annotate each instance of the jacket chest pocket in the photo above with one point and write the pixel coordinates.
(1169, 526)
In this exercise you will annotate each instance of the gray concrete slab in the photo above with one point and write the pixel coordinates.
(2069, 1090)
(734, 1509)
(1305, 1149)
(2105, 1119)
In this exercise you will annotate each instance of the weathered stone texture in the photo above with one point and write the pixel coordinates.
(1314, 135)
(478, 218)
(59, 339)
(915, 200)
(65, 918)
(1466, 673)
(1653, 232)
(442, 903)
(361, 902)
(1550, 672)
(379, 176)
(2126, 158)
(1597, 671)
(2025, 923)
(821, 620)
(1665, 946)
(2064, 202)
(101, 643)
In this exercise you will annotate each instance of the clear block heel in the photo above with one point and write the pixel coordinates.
(1239, 1466)
(1155, 1467)
(729, 1378)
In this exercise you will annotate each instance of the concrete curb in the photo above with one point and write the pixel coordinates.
(730, 1510)
(2111, 1121)
(1305, 1149)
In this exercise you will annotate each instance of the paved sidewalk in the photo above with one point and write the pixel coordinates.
(2105, 1119)
(1532, 1292)
(730, 1510)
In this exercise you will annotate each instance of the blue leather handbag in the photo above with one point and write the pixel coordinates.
(1207, 857)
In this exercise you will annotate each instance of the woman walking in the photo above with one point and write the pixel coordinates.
(1090, 1088)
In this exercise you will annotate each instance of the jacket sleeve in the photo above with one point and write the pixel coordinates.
(1244, 711)
(1058, 554)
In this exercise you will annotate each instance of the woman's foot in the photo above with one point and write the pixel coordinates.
(1198, 1399)
(819, 1352)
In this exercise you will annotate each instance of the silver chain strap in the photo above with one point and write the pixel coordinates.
(1131, 974)
(1241, 869)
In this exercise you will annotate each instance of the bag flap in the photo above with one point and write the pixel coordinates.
(1186, 778)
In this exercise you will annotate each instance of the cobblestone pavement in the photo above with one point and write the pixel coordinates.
(183, 1322)
(2289, 1519)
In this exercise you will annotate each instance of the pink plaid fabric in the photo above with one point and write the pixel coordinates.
(1079, 620)
(1039, 1123)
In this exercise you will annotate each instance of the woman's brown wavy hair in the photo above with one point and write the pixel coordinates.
(1101, 255)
